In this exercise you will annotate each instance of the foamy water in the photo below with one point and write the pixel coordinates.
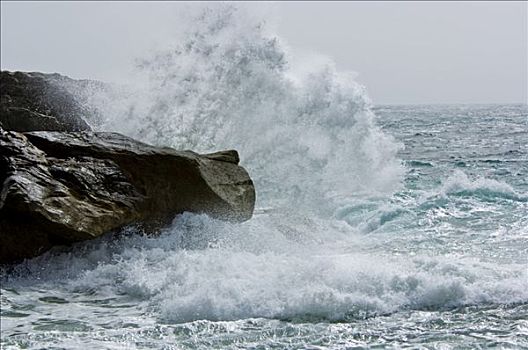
(387, 226)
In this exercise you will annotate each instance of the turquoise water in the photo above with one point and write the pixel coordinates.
(466, 177)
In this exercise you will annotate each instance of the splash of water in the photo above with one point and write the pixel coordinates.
(304, 137)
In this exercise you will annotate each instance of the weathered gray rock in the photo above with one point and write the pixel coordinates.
(37, 101)
(64, 187)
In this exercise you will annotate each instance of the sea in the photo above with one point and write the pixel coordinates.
(376, 226)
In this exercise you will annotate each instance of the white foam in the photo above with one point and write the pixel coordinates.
(273, 267)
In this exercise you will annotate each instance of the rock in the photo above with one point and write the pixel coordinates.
(230, 156)
(64, 187)
(37, 101)
(61, 183)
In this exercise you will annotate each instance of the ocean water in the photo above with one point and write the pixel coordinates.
(376, 226)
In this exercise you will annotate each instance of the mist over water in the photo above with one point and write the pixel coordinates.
(356, 239)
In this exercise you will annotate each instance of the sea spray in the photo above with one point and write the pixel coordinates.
(305, 137)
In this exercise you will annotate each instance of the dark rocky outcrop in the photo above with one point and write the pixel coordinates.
(63, 187)
(37, 101)
(64, 183)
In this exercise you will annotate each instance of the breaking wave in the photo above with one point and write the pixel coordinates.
(305, 136)
(201, 268)
(459, 184)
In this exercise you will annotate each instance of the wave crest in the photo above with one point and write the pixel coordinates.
(461, 185)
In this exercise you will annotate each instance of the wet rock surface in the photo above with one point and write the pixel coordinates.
(36, 101)
(66, 184)
(60, 188)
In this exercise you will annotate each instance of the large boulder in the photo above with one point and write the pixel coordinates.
(37, 101)
(64, 187)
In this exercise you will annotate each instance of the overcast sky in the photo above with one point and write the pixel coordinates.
(403, 52)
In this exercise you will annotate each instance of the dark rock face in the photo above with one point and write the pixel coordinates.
(63, 187)
(61, 183)
(37, 101)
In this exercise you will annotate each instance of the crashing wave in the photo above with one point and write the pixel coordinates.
(304, 137)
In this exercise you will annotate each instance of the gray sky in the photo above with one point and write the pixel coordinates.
(404, 52)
